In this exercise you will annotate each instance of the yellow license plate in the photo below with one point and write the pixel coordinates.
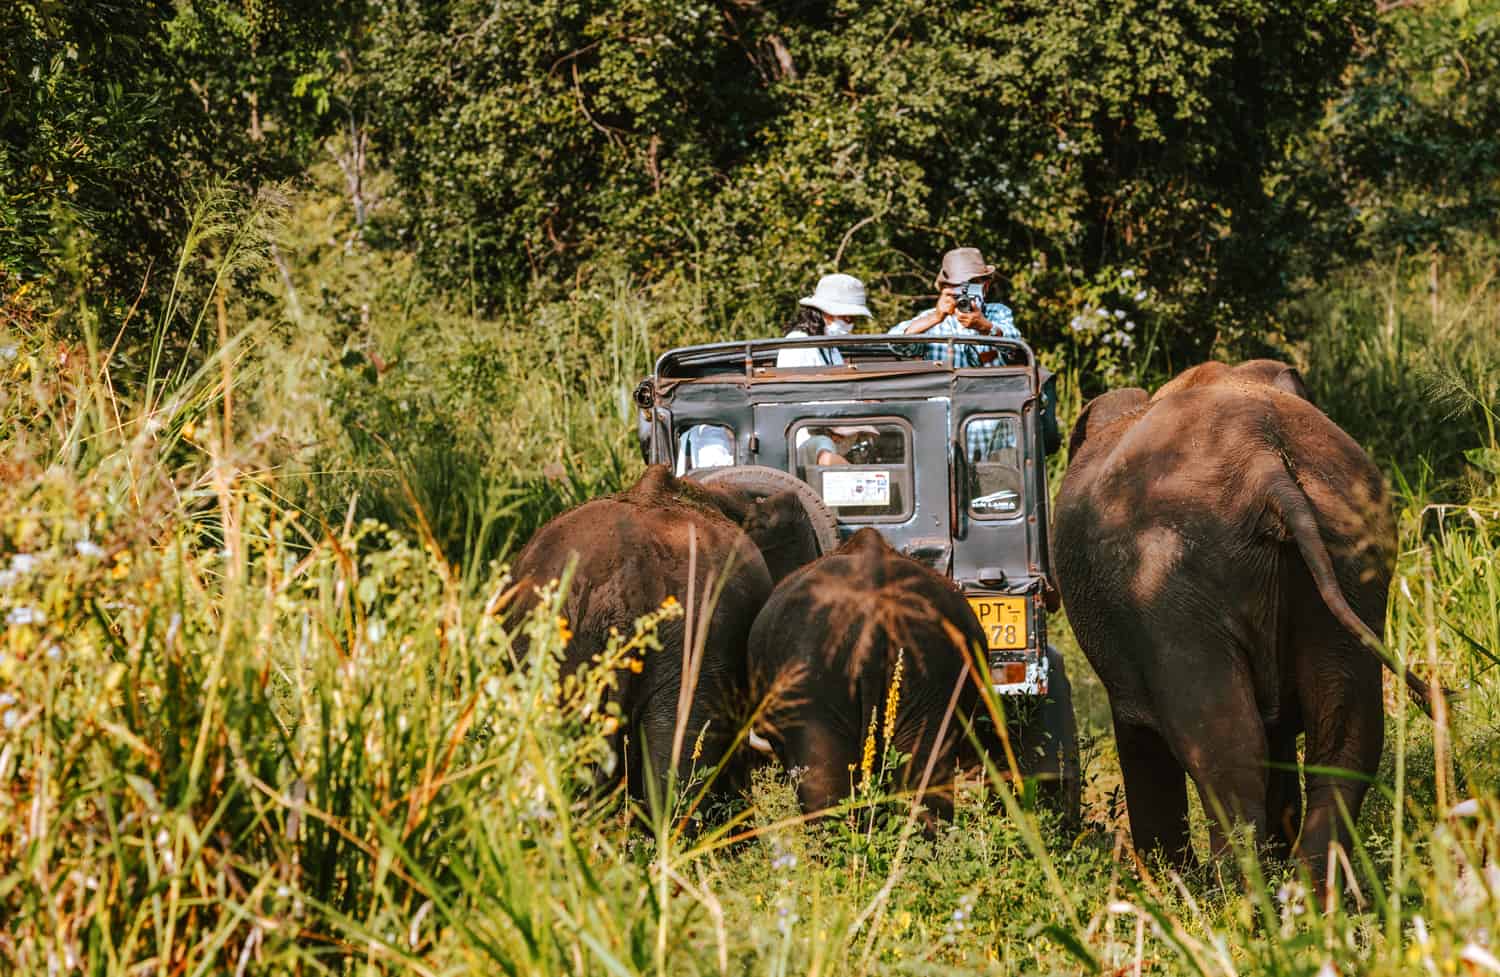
(1003, 620)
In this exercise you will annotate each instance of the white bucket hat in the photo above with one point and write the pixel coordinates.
(838, 295)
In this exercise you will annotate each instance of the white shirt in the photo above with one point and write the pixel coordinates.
(828, 356)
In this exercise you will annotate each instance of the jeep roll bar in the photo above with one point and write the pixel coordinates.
(744, 354)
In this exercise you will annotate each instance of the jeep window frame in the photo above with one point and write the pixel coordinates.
(968, 467)
(679, 447)
(908, 476)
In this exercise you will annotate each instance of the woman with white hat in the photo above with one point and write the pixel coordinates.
(826, 312)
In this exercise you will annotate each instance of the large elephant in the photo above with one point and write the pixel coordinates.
(824, 654)
(633, 551)
(1224, 551)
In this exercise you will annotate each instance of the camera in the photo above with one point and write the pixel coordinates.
(969, 297)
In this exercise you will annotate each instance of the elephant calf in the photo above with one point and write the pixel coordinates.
(1224, 551)
(634, 550)
(824, 655)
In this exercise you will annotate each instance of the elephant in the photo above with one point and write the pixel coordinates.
(633, 551)
(1223, 551)
(824, 656)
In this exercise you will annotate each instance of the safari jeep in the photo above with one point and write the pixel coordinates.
(946, 462)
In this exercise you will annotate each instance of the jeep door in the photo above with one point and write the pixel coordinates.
(1000, 488)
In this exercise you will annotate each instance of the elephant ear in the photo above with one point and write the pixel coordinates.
(1272, 373)
(1290, 381)
(1103, 409)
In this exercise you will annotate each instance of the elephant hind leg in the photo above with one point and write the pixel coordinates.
(1155, 794)
(1233, 787)
(1284, 793)
(1343, 755)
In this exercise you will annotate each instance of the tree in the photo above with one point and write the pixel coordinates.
(85, 145)
(1112, 157)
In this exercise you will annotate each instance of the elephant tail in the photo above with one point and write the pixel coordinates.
(1302, 524)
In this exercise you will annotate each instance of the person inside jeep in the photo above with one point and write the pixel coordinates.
(826, 312)
(964, 309)
(838, 445)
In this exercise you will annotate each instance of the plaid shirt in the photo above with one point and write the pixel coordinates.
(963, 356)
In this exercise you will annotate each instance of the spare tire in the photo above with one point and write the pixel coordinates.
(763, 482)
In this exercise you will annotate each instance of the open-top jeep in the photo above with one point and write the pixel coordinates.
(946, 462)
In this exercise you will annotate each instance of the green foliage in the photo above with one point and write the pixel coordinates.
(85, 141)
(113, 112)
(1152, 181)
(1402, 354)
(755, 146)
(1412, 144)
(279, 78)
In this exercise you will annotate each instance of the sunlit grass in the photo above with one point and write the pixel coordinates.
(260, 714)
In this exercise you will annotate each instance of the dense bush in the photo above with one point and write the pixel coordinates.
(113, 115)
(1152, 181)
(755, 145)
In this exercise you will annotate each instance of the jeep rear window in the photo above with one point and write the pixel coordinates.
(704, 446)
(861, 468)
(992, 455)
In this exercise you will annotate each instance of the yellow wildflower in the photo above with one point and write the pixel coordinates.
(563, 634)
(610, 725)
(698, 744)
(635, 665)
(893, 698)
(867, 762)
(669, 603)
(189, 431)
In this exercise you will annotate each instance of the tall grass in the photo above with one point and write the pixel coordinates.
(260, 715)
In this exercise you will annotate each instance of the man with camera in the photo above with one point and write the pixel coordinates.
(962, 310)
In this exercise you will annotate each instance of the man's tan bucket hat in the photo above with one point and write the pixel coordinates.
(963, 265)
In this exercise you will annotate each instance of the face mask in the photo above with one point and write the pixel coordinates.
(839, 327)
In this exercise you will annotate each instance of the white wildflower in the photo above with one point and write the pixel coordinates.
(88, 549)
(22, 564)
(1140, 296)
(12, 718)
(1465, 809)
(8, 352)
(20, 616)
(1127, 274)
